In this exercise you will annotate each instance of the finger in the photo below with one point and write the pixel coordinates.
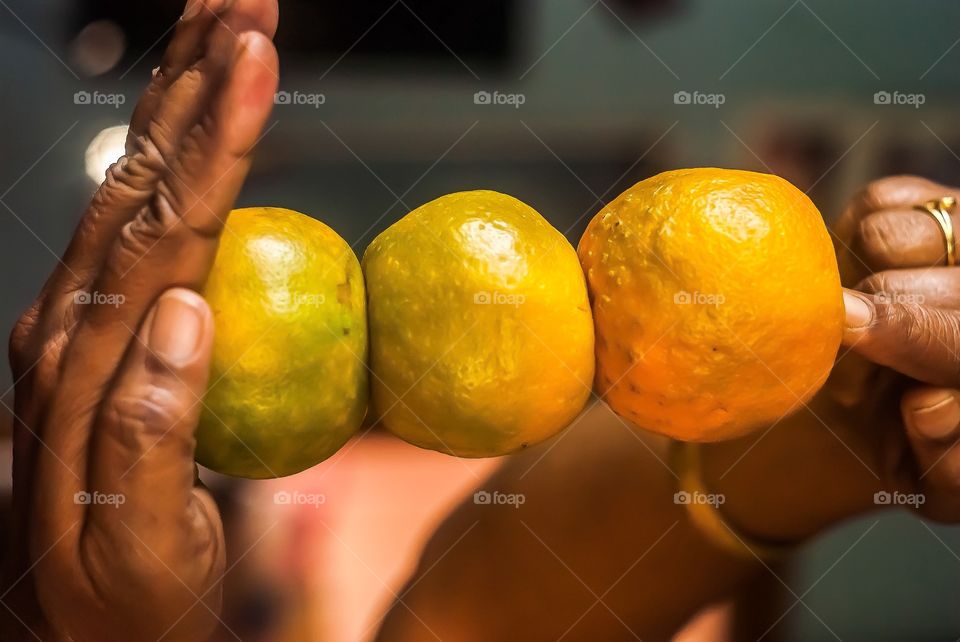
(184, 49)
(903, 238)
(144, 513)
(175, 240)
(186, 100)
(916, 340)
(172, 243)
(936, 287)
(851, 379)
(187, 45)
(132, 181)
(932, 419)
(170, 103)
(253, 15)
(890, 193)
(183, 100)
(129, 185)
(143, 439)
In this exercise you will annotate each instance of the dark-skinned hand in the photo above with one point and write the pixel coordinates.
(118, 541)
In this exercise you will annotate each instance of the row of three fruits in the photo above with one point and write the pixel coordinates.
(481, 333)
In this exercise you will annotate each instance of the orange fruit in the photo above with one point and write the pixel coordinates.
(288, 381)
(716, 299)
(481, 340)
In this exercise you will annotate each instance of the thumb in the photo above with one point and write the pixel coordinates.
(142, 450)
(932, 418)
(919, 341)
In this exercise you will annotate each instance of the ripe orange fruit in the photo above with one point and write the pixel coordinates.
(716, 299)
(481, 340)
(289, 381)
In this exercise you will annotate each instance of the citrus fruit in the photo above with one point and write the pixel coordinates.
(288, 383)
(480, 326)
(717, 302)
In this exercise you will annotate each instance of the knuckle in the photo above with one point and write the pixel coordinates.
(203, 131)
(876, 191)
(883, 193)
(21, 337)
(161, 225)
(152, 223)
(177, 204)
(873, 284)
(129, 181)
(154, 91)
(875, 238)
(47, 366)
(146, 155)
(950, 342)
(138, 420)
(134, 241)
(886, 316)
(192, 78)
(895, 330)
(106, 195)
(162, 137)
(924, 331)
(917, 325)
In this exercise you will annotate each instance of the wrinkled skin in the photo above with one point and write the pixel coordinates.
(107, 396)
(914, 331)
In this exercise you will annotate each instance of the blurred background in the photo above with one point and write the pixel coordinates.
(387, 104)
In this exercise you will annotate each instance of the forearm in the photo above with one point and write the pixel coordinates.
(802, 476)
(598, 546)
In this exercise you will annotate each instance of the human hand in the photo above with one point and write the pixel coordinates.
(908, 320)
(118, 540)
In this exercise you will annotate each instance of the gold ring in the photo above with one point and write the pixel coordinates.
(940, 210)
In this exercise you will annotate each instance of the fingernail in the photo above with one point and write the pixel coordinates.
(177, 328)
(939, 415)
(192, 9)
(859, 311)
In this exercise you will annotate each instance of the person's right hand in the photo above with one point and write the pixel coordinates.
(117, 540)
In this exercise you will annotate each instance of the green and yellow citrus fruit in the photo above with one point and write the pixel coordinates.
(717, 302)
(480, 325)
(288, 383)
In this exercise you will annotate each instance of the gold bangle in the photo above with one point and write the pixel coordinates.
(703, 508)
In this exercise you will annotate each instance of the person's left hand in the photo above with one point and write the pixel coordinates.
(903, 316)
(117, 540)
